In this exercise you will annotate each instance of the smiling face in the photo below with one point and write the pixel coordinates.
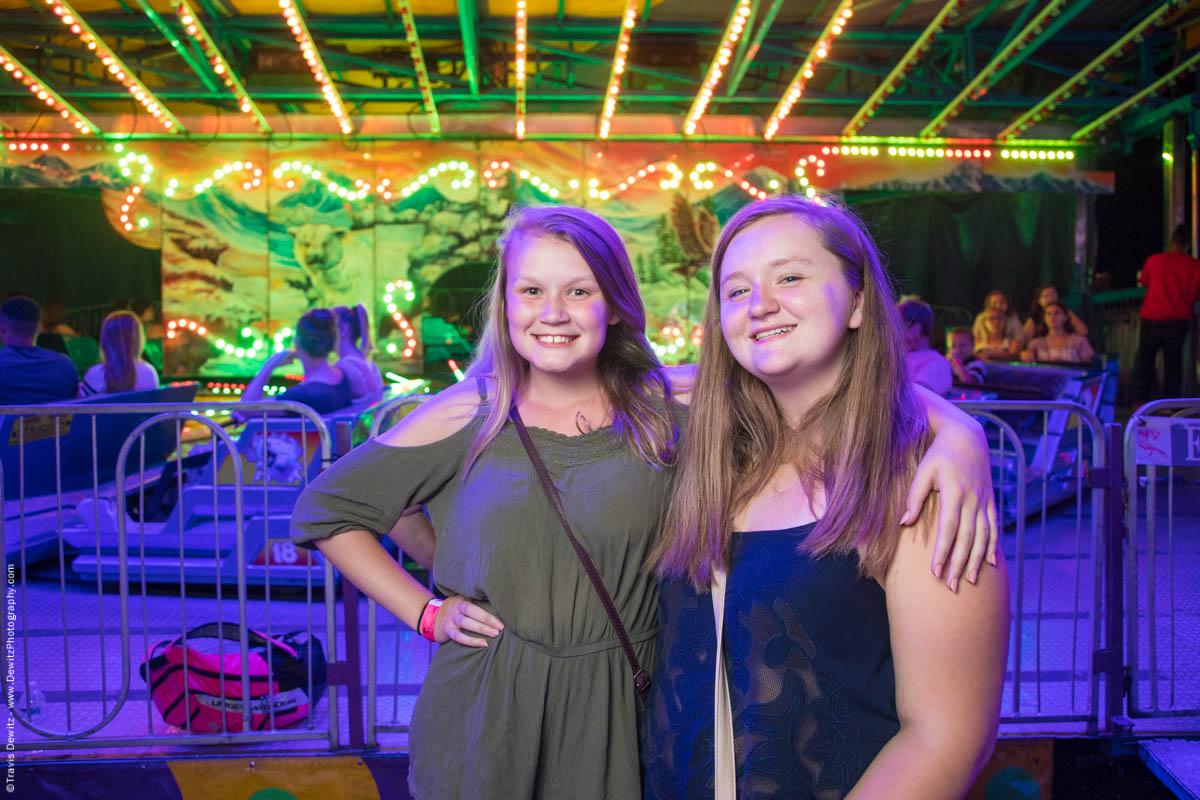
(1047, 296)
(557, 315)
(960, 345)
(993, 323)
(786, 307)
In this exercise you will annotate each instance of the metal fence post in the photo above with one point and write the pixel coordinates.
(1109, 660)
(353, 669)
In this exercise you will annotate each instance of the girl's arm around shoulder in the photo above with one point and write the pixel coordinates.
(440, 416)
(681, 378)
(950, 652)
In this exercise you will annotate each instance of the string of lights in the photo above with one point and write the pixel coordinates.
(418, 60)
(113, 64)
(978, 85)
(834, 27)
(628, 20)
(733, 32)
(1094, 67)
(519, 67)
(316, 64)
(1123, 108)
(919, 48)
(38, 88)
(216, 60)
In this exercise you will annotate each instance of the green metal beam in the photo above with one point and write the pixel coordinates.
(752, 49)
(895, 15)
(1040, 39)
(1018, 23)
(179, 46)
(979, 18)
(587, 57)
(468, 19)
(1087, 130)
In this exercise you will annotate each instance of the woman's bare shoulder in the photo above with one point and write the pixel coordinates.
(440, 416)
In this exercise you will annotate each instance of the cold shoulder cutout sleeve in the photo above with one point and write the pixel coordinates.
(368, 488)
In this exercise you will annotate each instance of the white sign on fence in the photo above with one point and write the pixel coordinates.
(1166, 441)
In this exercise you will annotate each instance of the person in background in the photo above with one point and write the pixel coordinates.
(998, 301)
(1061, 344)
(926, 366)
(325, 388)
(354, 350)
(1035, 323)
(1172, 282)
(148, 315)
(54, 319)
(30, 374)
(121, 368)
(994, 345)
(960, 352)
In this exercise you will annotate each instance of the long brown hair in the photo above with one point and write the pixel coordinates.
(630, 373)
(859, 443)
(121, 343)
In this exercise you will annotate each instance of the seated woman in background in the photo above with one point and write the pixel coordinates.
(1035, 324)
(121, 368)
(993, 343)
(325, 388)
(1061, 344)
(353, 356)
(998, 301)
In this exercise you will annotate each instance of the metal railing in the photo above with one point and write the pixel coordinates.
(1042, 459)
(1162, 440)
(85, 700)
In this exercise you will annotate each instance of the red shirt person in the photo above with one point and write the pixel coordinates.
(1172, 282)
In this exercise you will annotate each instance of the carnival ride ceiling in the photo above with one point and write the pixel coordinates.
(1008, 55)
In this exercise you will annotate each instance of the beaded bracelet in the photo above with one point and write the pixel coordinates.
(428, 616)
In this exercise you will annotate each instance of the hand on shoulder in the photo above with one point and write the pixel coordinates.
(681, 377)
(436, 418)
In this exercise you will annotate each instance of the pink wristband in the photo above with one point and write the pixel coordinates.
(428, 616)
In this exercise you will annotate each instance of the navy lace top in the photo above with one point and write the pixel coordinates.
(809, 663)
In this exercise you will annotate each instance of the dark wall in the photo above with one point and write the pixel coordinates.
(56, 244)
(1129, 224)
(952, 249)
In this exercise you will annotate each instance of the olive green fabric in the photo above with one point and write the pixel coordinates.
(548, 709)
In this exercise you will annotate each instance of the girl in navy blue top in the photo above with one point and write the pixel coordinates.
(804, 651)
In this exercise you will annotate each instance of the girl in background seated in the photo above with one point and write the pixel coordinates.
(325, 388)
(1035, 324)
(1061, 344)
(995, 344)
(998, 301)
(121, 368)
(353, 358)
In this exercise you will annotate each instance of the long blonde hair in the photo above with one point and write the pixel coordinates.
(630, 373)
(122, 341)
(859, 443)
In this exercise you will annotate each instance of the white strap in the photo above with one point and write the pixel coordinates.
(725, 764)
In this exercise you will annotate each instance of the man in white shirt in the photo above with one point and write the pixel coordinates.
(926, 366)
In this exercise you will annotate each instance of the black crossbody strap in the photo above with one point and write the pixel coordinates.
(641, 680)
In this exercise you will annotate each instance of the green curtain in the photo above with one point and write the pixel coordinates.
(954, 248)
(56, 244)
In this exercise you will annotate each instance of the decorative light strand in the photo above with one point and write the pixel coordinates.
(634, 177)
(519, 66)
(921, 46)
(316, 64)
(128, 164)
(837, 23)
(1113, 114)
(1038, 155)
(410, 336)
(949, 153)
(117, 68)
(251, 179)
(358, 191)
(733, 32)
(978, 85)
(418, 60)
(36, 146)
(628, 20)
(496, 167)
(1093, 68)
(216, 60)
(22, 74)
(468, 175)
